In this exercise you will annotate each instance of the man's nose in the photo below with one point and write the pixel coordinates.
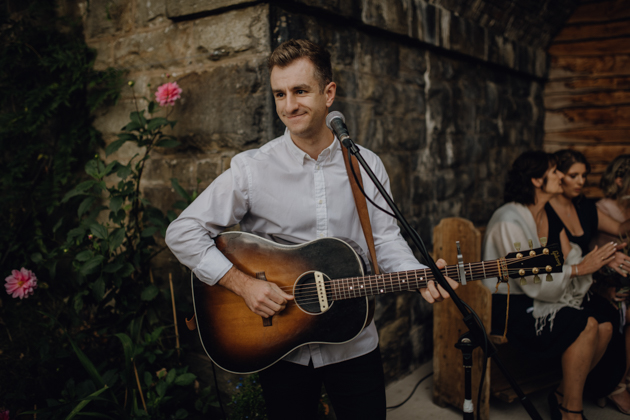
(292, 103)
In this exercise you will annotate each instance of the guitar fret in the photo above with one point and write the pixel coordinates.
(471, 272)
(483, 265)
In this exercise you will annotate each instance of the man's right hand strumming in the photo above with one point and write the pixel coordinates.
(261, 297)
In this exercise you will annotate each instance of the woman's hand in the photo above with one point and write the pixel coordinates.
(597, 258)
(621, 263)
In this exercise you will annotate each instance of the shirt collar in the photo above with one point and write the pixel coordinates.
(301, 156)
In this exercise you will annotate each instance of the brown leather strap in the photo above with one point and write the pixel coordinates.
(191, 323)
(361, 203)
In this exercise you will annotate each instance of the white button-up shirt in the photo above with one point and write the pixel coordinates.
(280, 193)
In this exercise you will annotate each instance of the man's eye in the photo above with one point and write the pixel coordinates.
(279, 95)
(300, 92)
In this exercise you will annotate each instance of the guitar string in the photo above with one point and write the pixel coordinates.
(386, 282)
(474, 268)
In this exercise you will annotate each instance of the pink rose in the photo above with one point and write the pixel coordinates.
(168, 93)
(21, 283)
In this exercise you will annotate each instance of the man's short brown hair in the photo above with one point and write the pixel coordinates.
(293, 49)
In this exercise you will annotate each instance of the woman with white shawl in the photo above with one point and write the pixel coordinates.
(546, 319)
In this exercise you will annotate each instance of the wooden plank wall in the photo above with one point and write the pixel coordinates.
(587, 96)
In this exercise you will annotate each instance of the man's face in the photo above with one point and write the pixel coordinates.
(300, 103)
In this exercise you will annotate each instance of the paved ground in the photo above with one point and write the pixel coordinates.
(421, 406)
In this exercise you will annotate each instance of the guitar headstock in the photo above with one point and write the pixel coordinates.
(534, 262)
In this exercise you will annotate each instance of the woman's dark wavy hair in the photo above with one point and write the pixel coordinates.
(567, 157)
(530, 164)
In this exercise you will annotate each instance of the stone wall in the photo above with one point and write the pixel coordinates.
(447, 102)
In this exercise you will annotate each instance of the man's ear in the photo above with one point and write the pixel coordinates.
(330, 91)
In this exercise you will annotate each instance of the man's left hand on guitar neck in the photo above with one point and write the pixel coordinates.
(434, 292)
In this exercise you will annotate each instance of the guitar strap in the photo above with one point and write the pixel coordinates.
(361, 204)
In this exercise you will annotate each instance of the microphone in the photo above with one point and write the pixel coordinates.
(336, 122)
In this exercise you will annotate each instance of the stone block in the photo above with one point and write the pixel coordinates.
(151, 13)
(182, 9)
(107, 17)
(391, 15)
(198, 42)
(226, 106)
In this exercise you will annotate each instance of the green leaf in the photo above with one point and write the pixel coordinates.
(151, 107)
(85, 402)
(91, 265)
(76, 233)
(128, 137)
(150, 231)
(114, 146)
(181, 191)
(124, 171)
(137, 117)
(98, 289)
(113, 267)
(57, 225)
(78, 303)
(181, 414)
(150, 292)
(156, 123)
(83, 255)
(127, 270)
(167, 143)
(185, 379)
(127, 349)
(72, 193)
(172, 374)
(115, 203)
(132, 126)
(116, 239)
(37, 258)
(161, 388)
(91, 168)
(87, 364)
(85, 205)
(98, 230)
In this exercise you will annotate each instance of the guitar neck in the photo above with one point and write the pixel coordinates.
(354, 287)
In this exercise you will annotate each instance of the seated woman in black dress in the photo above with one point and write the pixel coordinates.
(546, 319)
(582, 221)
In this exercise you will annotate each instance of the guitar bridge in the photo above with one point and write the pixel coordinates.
(321, 291)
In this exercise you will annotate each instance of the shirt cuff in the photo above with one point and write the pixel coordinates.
(213, 267)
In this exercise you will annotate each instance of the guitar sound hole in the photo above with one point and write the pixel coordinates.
(305, 293)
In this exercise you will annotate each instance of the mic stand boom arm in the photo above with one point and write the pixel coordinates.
(468, 318)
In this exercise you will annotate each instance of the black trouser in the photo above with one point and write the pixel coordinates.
(356, 389)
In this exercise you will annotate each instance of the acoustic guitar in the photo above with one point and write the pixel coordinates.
(331, 292)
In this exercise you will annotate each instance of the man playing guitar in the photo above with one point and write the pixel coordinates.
(295, 189)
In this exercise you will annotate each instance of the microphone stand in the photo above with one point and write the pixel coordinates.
(469, 340)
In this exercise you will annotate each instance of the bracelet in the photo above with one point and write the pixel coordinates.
(576, 270)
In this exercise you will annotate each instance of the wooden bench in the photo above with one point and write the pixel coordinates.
(448, 380)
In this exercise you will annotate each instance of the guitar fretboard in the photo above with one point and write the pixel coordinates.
(354, 287)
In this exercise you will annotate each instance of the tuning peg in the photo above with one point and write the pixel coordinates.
(543, 241)
(517, 246)
(548, 270)
(531, 244)
(523, 281)
(537, 279)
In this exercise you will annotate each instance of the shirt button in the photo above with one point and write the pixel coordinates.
(320, 201)
(317, 167)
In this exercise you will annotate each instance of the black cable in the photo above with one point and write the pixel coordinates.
(412, 392)
(216, 385)
(363, 192)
